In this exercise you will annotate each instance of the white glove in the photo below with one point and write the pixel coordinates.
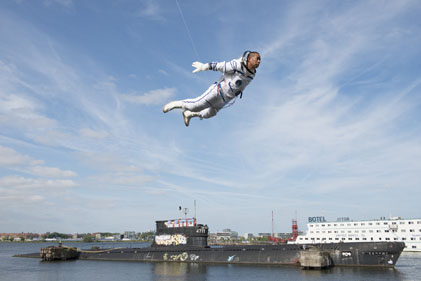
(200, 66)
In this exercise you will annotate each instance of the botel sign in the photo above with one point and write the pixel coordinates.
(316, 219)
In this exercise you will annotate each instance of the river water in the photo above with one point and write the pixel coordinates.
(408, 268)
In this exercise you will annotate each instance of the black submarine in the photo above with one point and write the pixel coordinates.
(183, 240)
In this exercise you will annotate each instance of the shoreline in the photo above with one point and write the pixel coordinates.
(75, 241)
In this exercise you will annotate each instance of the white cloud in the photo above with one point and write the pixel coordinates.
(36, 198)
(151, 11)
(163, 72)
(106, 161)
(13, 103)
(65, 3)
(311, 134)
(51, 172)
(93, 134)
(9, 157)
(318, 136)
(21, 112)
(128, 180)
(154, 97)
(52, 138)
(31, 183)
(158, 192)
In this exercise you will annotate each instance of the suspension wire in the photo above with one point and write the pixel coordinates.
(195, 50)
(188, 31)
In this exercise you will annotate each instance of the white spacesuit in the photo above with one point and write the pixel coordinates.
(237, 74)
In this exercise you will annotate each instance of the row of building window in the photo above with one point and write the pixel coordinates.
(361, 224)
(364, 231)
(358, 239)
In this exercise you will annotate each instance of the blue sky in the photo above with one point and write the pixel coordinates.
(329, 126)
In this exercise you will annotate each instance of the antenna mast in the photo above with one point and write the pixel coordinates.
(273, 234)
(195, 209)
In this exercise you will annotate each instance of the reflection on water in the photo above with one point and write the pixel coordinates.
(353, 273)
(408, 268)
(163, 271)
(186, 272)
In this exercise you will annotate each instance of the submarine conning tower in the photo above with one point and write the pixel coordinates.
(180, 232)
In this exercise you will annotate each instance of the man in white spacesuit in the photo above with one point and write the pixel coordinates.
(237, 74)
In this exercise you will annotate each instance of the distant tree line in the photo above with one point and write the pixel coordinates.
(145, 236)
(57, 235)
(88, 238)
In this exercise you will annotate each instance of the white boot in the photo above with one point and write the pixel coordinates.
(187, 115)
(171, 105)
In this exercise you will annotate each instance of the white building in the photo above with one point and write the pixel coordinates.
(248, 236)
(130, 235)
(393, 229)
